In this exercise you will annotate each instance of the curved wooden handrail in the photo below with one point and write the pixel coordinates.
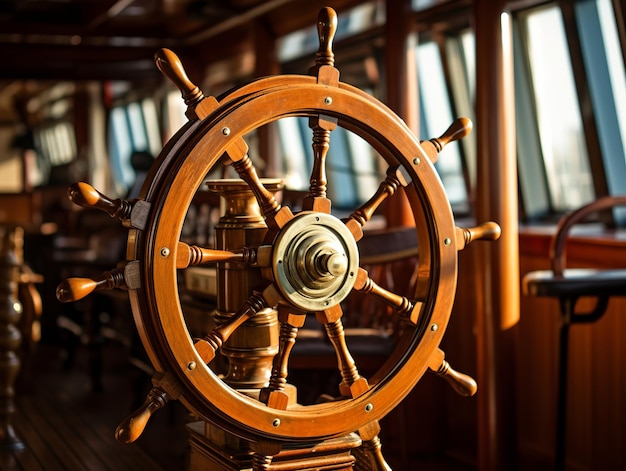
(558, 242)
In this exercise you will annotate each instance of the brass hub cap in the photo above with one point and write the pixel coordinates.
(315, 261)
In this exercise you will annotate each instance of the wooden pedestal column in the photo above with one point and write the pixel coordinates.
(250, 350)
(10, 336)
(215, 450)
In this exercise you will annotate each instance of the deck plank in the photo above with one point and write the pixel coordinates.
(59, 438)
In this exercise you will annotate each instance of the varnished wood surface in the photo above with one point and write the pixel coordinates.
(597, 381)
(60, 437)
(52, 390)
(568, 285)
(67, 426)
(576, 282)
(496, 265)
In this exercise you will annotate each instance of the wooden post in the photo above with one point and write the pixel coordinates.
(10, 336)
(267, 64)
(497, 264)
(401, 91)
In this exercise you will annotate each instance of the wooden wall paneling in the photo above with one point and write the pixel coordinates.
(537, 369)
(607, 427)
(459, 344)
(597, 378)
(579, 407)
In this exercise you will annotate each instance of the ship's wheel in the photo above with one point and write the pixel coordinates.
(308, 259)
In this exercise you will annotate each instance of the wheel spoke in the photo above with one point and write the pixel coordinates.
(322, 125)
(400, 304)
(246, 170)
(352, 383)
(189, 255)
(316, 200)
(208, 345)
(373, 447)
(132, 213)
(275, 215)
(486, 231)
(396, 177)
(290, 321)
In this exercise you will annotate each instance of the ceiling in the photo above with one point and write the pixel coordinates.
(56, 39)
(46, 41)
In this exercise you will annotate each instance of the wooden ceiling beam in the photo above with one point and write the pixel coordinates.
(69, 63)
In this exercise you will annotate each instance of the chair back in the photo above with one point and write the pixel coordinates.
(559, 240)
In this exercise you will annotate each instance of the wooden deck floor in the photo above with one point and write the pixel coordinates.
(65, 425)
(58, 437)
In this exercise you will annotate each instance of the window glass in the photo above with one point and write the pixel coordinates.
(340, 171)
(67, 142)
(422, 4)
(120, 147)
(461, 61)
(296, 176)
(604, 67)
(468, 43)
(351, 168)
(535, 200)
(59, 143)
(356, 20)
(364, 160)
(615, 61)
(53, 147)
(557, 110)
(174, 113)
(137, 128)
(151, 120)
(435, 117)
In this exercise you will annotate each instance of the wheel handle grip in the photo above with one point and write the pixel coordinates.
(74, 289)
(485, 231)
(85, 195)
(170, 65)
(459, 128)
(463, 384)
(133, 426)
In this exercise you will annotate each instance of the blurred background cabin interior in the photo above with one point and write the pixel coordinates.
(544, 83)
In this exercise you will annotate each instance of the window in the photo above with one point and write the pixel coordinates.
(120, 147)
(305, 42)
(570, 100)
(435, 117)
(563, 53)
(461, 61)
(132, 127)
(351, 164)
(556, 111)
(604, 67)
(57, 143)
(174, 113)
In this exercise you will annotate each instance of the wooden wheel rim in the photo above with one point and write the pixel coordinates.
(203, 391)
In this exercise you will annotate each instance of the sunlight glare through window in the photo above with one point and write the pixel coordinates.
(558, 116)
(617, 73)
(437, 115)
